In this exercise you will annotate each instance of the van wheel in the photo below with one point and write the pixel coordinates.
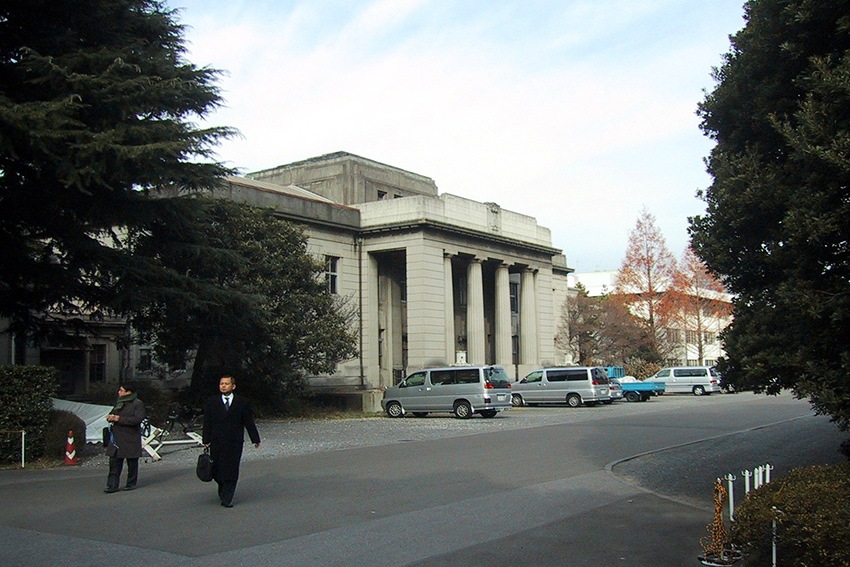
(463, 410)
(516, 401)
(574, 400)
(632, 397)
(699, 390)
(394, 409)
(488, 413)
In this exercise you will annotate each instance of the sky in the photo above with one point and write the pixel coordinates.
(579, 113)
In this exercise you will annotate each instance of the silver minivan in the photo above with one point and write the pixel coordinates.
(697, 380)
(571, 385)
(461, 390)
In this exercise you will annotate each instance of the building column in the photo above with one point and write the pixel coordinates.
(475, 313)
(503, 317)
(450, 309)
(528, 318)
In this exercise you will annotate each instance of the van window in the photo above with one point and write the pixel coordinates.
(439, 377)
(497, 376)
(467, 376)
(663, 373)
(689, 372)
(576, 375)
(557, 375)
(599, 375)
(535, 376)
(415, 379)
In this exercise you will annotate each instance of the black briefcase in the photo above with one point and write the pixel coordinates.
(204, 467)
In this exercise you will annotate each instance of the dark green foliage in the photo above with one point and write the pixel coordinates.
(56, 435)
(813, 522)
(778, 214)
(25, 405)
(276, 320)
(96, 110)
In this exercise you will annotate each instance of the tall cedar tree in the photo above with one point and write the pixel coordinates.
(699, 303)
(778, 214)
(645, 275)
(277, 323)
(96, 103)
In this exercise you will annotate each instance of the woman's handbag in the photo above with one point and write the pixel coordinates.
(109, 442)
(204, 468)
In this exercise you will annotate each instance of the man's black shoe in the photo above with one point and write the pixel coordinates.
(227, 504)
(110, 490)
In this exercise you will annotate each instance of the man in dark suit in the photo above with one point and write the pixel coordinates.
(226, 418)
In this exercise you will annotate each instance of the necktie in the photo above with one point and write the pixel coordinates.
(227, 403)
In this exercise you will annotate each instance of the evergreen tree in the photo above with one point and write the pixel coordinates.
(96, 110)
(277, 320)
(777, 227)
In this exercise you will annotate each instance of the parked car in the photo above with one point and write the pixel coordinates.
(571, 385)
(461, 390)
(615, 390)
(698, 380)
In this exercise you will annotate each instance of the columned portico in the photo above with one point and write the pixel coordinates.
(503, 317)
(450, 309)
(475, 334)
(528, 318)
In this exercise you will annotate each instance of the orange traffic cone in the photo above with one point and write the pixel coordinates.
(70, 451)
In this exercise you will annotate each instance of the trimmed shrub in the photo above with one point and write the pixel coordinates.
(56, 436)
(812, 522)
(25, 405)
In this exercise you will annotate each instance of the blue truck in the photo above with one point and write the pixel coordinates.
(634, 390)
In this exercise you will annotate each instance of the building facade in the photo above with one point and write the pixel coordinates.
(436, 279)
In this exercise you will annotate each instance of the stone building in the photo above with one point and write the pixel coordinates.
(436, 278)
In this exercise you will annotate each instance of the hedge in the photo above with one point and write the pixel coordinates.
(812, 519)
(25, 404)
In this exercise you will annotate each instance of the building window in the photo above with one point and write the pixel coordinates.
(692, 337)
(97, 363)
(710, 362)
(674, 336)
(693, 362)
(331, 273)
(145, 360)
(514, 294)
(709, 338)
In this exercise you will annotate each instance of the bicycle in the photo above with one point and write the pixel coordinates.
(189, 419)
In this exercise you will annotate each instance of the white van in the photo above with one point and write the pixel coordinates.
(461, 390)
(573, 386)
(698, 380)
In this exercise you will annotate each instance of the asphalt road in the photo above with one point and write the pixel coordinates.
(628, 484)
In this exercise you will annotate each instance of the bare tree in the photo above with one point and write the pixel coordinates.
(699, 302)
(599, 330)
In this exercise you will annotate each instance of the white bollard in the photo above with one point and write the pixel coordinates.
(767, 469)
(730, 480)
(747, 475)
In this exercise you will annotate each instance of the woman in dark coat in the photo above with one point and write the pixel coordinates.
(125, 419)
(226, 418)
